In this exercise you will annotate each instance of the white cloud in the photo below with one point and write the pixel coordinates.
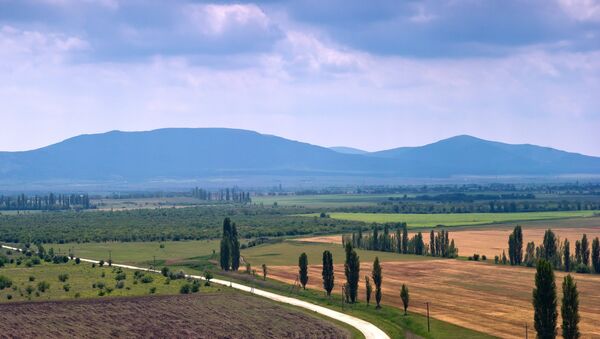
(582, 10)
(216, 20)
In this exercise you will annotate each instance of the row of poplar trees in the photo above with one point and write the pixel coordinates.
(352, 272)
(230, 247)
(545, 304)
(556, 252)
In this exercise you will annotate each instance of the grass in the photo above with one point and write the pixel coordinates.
(456, 219)
(389, 319)
(80, 280)
(287, 252)
(140, 252)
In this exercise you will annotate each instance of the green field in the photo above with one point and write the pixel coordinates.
(287, 253)
(80, 280)
(325, 200)
(139, 252)
(456, 219)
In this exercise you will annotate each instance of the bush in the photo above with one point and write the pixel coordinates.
(185, 289)
(195, 286)
(43, 286)
(9, 296)
(120, 284)
(476, 257)
(120, 276)
(581, 268)
(93, 265)
(496, 260)
(165, 271)
(63, 277)
(152, 290)
(36, 261)
(108, 290)
(77, 261)
(103, 274)
(101, 263)
(77, 295)
(101, 293)
(31, 278)
(66, 287)
(167, 281)
(483, 257)
(100, 284)
(470, 258)
(29, 289)
(147, 279)
(5, 282)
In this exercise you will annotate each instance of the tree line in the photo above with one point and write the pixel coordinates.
(227, 194)
(557, 253)
(352, 274)
(440, 244)
(50, 201)
(230, 247)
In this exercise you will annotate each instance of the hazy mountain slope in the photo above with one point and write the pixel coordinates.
(348, 150)
(216, 152)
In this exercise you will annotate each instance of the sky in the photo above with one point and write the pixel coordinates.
(367, 74)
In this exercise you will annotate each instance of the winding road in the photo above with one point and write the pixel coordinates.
(369, 330)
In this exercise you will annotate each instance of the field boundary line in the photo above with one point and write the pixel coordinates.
(369, 330)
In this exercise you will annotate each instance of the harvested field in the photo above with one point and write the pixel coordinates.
(189, 316)
(487, 298)
(491, 240)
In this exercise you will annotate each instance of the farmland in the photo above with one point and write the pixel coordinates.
(487, 298)
(201, 315)
(457, 219)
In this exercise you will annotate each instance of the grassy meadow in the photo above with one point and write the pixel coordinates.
(456, 219)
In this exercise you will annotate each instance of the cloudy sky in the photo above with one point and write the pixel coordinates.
(367, 74)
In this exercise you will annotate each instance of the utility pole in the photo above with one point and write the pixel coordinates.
(428, 326)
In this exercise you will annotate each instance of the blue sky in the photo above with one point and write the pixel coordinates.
(366, 74)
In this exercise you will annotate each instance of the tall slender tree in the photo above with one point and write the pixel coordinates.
(235, 248)
(377, 278)
(368, 289)
(570, 309)
(398, 239)
(328, 276)
(303, 269)
(567, 255)
(550, 248)
(432, 246)
(405, 297)
(578, 252)
(596, 255)
(544, 301)
(585, 251)
(404, 238)
(352, 272)
(518, 232)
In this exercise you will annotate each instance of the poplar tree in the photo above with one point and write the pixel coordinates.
(585, 251)
(368, 289)
(567, 255)
(303, 269)
(377, 277)
(544, 301)
(404, 238)
(596, 255)
(328, 276)
(570, 309)
(404, 296)
(352, 272)
(432, 244)
(235, 249)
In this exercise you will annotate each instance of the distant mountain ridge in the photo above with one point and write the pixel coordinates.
(188, 153)
(348, 150)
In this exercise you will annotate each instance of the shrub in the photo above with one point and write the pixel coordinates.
(43, 286)
(147, 279)
(496, 260)
(101, 263)
(581, 268)
(120, 276)
(36, 261)
(167, 281)
(109, 290)
(66, 287)
(185, 288)
(476, 257)
(195, 286)
(5, 282)
(120, 284)
(29, 289)
(77, 295)
(483, 257)
(9, 296)
(102, 275)
(152, 290)
(28, 263)
(100, 284)
(470, 258)
(63, 277)
(101, 293)
(93, 265)
(165, 271)
(77, 261)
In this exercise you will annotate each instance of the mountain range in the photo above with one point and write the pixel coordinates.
(192, 153)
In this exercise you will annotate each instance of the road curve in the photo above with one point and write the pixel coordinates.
(369, 330)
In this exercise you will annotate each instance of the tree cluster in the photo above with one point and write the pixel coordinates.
(51, 201)
(230, 247)
(228, 194)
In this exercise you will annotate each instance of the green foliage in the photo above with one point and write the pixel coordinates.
(377, 279)
(352, 272)
(515, 246)
(43, 286)
(303, 269)
(185, 288)
(596, 255)
(328, 272)
(368, 289)
(585, 251)
(567, 256)
(63, 277)
(569, 309)
(545, 301)
(405, 297)
(5, 282)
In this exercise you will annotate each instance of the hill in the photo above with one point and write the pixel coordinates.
(190, 154)
(348, 150)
